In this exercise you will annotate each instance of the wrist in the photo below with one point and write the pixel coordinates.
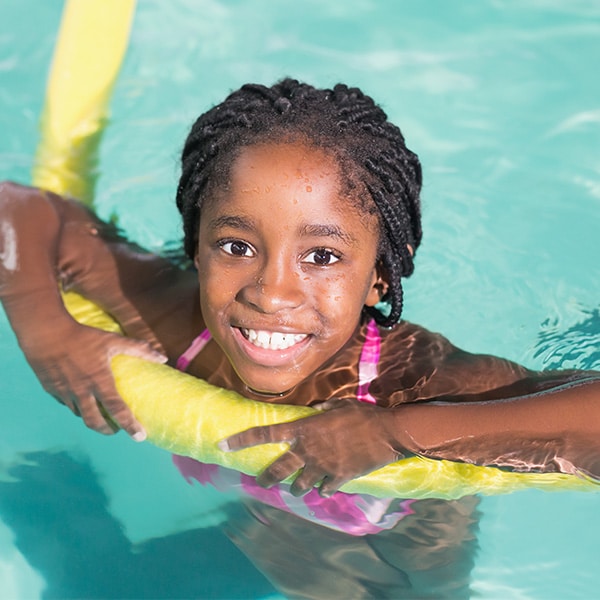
(31, 312)
(403, 426)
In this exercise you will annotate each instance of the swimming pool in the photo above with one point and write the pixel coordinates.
(501, 101)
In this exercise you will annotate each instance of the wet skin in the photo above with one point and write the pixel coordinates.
(541, 421)
(285, 265)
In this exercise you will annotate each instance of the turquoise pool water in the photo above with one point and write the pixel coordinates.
(502, 102)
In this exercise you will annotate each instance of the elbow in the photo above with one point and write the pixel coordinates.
(7, 189)
(11, 192)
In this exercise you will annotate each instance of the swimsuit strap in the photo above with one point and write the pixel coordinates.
(198, 343)
(368, 362)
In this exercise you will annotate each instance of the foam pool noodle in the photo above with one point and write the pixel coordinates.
(90, 47)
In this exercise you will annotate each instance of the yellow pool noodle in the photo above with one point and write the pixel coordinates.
(188, 416)
(89, 50)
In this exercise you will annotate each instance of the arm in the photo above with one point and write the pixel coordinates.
(543, 422)
(45, 240)
(556, 429)
(490, 411)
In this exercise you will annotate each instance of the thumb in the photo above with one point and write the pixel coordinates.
(141, 349)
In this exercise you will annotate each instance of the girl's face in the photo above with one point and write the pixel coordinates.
(285, 265)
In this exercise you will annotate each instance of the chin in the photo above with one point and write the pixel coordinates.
(263, 379)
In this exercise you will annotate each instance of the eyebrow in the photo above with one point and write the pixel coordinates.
(327, 230)
(235, 222)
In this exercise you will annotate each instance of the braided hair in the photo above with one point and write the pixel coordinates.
(372, 156)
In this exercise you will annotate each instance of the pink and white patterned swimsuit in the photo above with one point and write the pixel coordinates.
(354, 514)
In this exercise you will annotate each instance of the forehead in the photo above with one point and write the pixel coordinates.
(299, 173)
(285, 165)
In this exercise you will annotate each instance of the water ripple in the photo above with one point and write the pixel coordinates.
(574, 346)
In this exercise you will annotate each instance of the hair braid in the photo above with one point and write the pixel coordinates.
(370, 151)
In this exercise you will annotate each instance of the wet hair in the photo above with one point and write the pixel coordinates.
(376, 169)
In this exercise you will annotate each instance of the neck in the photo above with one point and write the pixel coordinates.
(266, 396)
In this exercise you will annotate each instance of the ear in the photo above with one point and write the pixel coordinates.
(379, 286)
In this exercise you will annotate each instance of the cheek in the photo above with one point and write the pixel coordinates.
(335, 289)
(215, 288)
(342, 296)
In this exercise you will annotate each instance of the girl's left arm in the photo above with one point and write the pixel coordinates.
(554, 428)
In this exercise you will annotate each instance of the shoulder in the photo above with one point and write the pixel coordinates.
(418, 364)
(415, 347)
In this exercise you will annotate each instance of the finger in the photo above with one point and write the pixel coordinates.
(330, 486)
(120, 414)
(255, 436)
(285, 466)
(66, 401)
(306, 481)
(109, 421)
(92, 416)
(61, 394)
(143, 350)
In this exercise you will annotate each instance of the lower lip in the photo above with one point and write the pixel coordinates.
(266, 357)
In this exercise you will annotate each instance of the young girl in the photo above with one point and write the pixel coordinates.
(301, 215)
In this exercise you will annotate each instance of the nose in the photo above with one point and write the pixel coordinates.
(275, 287)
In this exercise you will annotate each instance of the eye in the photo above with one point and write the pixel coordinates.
(322, 257)
(236, 248)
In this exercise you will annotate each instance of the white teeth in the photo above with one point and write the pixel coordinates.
(272, 340)
(262, 339)
(278, 339)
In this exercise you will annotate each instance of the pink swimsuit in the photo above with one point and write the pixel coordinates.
(355, 514)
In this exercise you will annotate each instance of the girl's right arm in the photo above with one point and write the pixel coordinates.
(45, 242)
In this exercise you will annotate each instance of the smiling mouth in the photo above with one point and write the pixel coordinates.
(272, 340)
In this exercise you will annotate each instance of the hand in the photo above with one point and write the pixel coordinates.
(72, 363)
(348, 439)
